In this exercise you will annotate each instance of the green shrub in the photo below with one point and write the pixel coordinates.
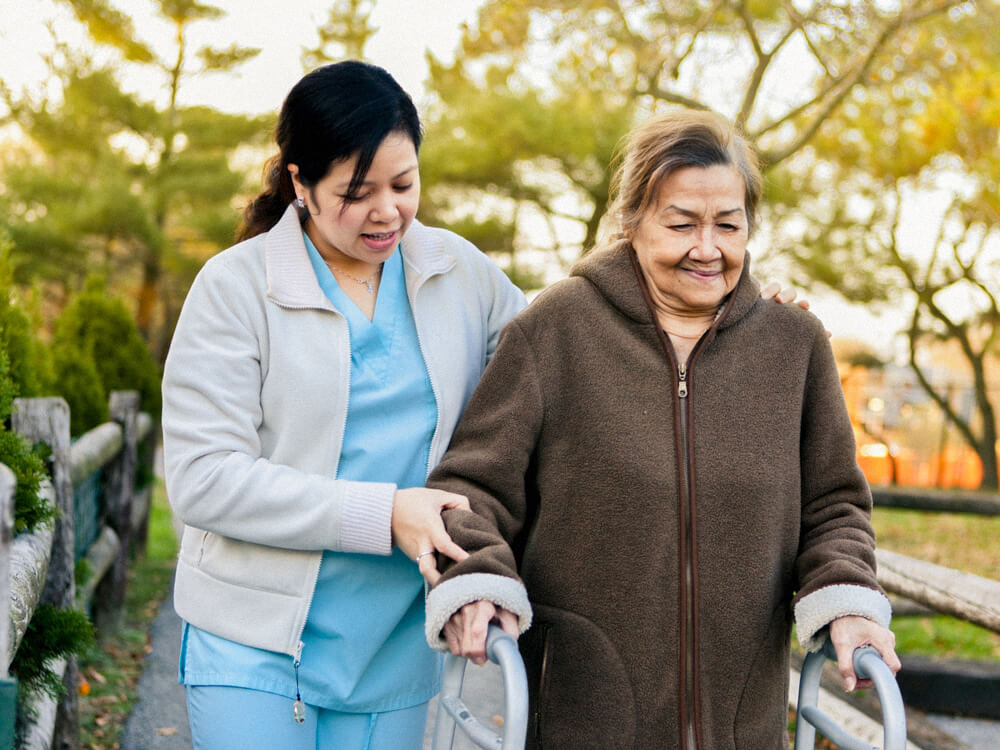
(27, 462)
(98, 327)
(52, 634)
(27, 362)
(79, 382)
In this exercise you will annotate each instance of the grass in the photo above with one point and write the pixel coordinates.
(960, 541)
(110, 671)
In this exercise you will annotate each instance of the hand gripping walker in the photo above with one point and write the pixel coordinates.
(868, 664)
(501, 649)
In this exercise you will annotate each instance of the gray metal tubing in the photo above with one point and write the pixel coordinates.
(868, 664)
(501, 649)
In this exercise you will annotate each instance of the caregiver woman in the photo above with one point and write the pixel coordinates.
(317, 372)
(662, 463)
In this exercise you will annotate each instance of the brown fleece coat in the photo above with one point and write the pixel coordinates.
(572, 453)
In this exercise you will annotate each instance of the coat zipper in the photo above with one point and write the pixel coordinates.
(542, 685)
(298, 708)
(689, 699)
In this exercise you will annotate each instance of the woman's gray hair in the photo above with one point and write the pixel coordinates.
(665, 143)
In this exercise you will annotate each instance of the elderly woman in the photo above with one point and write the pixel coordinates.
(662, 463)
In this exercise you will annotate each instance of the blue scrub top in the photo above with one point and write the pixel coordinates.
(364, 648)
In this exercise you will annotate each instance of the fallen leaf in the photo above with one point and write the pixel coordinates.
(96, 676)
(167, 731)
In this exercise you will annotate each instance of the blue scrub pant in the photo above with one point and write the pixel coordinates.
(232, 718)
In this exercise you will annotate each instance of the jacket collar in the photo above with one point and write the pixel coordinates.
(616, 275)
(291, 281)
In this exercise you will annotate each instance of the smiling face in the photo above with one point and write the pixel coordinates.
(355, 232)
(691, 241)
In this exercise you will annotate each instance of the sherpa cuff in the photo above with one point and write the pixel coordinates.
(449, 597)
(817, 610)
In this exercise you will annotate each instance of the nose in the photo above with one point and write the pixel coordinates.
(705, 245)
(384, 206)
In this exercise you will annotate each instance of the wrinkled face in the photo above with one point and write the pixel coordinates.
(366, 228)
(692, 239)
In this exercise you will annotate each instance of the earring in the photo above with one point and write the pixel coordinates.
(300, 201)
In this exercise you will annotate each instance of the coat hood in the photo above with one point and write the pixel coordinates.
(615, 272)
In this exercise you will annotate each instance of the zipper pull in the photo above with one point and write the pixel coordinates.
(298, 708)
(682, 386)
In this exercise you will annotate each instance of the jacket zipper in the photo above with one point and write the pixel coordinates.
(542, 685)
(689, 699)
(298, 707)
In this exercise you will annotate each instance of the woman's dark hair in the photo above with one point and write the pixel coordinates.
(331, 114)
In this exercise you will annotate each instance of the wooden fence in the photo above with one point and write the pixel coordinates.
(103, 518)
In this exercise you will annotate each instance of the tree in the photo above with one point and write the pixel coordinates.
(138, 190)
(524, 122)
(923, 148)
(344, 35)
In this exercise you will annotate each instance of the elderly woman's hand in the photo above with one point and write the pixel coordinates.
(418, 530)
(466, 630)
(850, 633)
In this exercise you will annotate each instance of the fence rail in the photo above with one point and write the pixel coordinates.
(93, 483)
(935, 500)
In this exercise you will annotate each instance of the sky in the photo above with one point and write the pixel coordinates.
(281, 29)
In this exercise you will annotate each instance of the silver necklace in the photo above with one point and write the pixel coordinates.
(366, 283)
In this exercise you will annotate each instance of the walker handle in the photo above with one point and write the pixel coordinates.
(868, 664)
(501, 649)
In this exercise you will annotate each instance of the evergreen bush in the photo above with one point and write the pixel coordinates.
(53, 633)
(79, 382)
(27, 462)
(98, 327)
(26, 357)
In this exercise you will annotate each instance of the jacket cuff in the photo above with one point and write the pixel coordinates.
(366, 520)
(450, 596)
(817, 610)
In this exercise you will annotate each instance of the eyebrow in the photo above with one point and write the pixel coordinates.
(344, 185)
(695, 214)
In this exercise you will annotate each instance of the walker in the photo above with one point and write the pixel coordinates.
(501, 649)
(868, 664)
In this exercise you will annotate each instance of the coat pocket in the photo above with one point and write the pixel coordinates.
(579, 691)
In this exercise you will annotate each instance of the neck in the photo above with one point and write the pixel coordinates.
(685, 326)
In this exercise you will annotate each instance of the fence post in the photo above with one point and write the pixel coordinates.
(8, 686)
(119, 489)
(47, 420)
(145, 459)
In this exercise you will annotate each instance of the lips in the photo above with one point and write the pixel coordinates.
(380, 240)
(703, 271)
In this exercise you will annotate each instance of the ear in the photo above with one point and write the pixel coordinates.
(293, 170)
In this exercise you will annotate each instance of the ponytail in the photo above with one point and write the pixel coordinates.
(264, 211)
